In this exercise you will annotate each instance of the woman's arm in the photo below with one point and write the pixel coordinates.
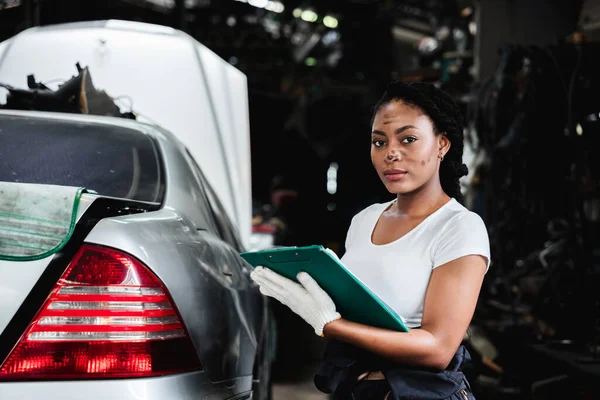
(449, 306)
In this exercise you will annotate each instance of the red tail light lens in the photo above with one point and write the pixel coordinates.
(108, 316)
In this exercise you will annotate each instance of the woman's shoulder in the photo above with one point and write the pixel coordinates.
(460, 232)
(459, 213)
(456, 217)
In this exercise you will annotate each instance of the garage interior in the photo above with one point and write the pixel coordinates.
(526, 77)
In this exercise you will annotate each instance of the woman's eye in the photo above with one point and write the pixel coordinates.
(378, 143)
(408, 139)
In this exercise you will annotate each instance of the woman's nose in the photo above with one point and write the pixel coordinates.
(393, 155)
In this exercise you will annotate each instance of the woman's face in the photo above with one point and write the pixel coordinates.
(405, 150)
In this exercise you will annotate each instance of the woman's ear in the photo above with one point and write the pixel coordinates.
(443, 144)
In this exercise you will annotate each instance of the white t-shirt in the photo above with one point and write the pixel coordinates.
(399, 272)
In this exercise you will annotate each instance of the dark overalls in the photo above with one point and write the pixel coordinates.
(344, 365)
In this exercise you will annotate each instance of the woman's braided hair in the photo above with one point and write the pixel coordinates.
(446, 117)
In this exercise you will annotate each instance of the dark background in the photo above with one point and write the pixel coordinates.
(303, 117)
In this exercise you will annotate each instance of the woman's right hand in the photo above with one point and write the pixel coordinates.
(306, 298)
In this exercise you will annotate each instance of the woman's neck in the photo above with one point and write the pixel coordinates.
(421, 202)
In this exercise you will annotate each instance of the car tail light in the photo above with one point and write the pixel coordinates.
(108, 316)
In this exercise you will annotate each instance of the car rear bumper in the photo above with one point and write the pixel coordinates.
(193, 385)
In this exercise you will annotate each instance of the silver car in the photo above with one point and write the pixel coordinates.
(200, 329)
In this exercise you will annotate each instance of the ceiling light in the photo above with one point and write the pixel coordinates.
(258, 3)
(309, 16)
(330, 22)
(297, 12)
(275, 6)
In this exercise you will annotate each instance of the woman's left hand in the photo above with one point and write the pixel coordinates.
(306, 298)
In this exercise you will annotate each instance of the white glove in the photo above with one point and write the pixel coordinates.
(306, 299)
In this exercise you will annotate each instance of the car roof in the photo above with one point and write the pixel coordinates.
(141, 127)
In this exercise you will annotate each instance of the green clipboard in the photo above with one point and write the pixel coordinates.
(354, 301)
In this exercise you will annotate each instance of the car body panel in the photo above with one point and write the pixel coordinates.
(189, 386)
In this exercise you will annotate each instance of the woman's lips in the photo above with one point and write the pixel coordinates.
(394, 174)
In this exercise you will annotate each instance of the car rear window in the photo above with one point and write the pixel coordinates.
(113, 161)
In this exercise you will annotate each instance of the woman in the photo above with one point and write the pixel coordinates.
(423, 253)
